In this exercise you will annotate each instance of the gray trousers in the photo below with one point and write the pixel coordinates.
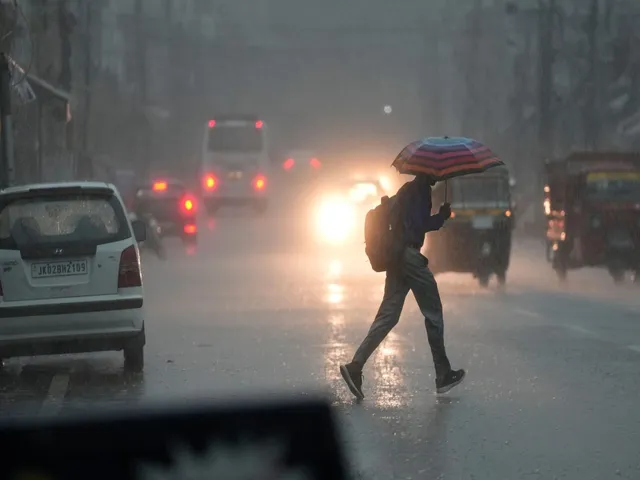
(412, 274)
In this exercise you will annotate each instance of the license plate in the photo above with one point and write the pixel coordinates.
(59, 269)
(483, 222)
(235, 175)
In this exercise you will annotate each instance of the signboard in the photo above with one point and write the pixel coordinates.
(611, 176)
(602, 161)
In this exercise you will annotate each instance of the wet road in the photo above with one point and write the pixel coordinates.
(553, 373)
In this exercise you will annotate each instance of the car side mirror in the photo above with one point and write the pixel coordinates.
(139, 230)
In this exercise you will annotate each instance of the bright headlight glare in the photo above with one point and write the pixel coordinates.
(335, 220)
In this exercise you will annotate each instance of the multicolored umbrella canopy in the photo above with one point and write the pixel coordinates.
(446, 157)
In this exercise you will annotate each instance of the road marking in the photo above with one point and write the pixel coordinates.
(527, 313)
(580, 330)
(635, 348)
(54, 400)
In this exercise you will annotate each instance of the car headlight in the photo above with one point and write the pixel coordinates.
(361, 191)
(335, 220)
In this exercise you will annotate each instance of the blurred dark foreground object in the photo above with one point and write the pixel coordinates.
(275, 441)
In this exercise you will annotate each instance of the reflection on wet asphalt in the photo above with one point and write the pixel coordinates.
(553, 383)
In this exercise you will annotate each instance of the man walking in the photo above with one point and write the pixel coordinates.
(410, 273)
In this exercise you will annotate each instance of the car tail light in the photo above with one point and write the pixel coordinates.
(315, 163)
(159, 186)
(209, 182)
(129, 274)
(190, 229)
(259, 124)
(288, 164)
(212, 123)
(188, 205)
(260, 182)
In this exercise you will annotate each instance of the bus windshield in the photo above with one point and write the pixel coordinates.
(235, 139)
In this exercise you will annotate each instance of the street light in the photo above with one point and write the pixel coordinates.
(387, 109)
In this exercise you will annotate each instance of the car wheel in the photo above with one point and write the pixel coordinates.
(618, 276)
(134, 354)
(561, 274)
(134, 359)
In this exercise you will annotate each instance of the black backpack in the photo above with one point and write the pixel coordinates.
(381, 234)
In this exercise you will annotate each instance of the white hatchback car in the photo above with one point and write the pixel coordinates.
(71, 280)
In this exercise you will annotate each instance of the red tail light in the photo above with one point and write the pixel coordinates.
(212, 123)
(129, 274)
(188, 205)
(315, 163)
(259, 124)
(260, 182)
(159, 186)
(288, 164)
(190, 229)
(209, 182)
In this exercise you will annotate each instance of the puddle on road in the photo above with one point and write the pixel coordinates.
(335, 295)
(336, 353)
(390, 389)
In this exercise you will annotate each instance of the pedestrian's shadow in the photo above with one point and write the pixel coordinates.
(434, 435)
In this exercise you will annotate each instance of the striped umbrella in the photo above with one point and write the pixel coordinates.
(445, 157)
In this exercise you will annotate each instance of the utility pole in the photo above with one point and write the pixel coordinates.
(591, 117)
(8, 175)
(472, 123)
(141, 62)
(546, 20)
(430, 85)
(88, 70)
(430, 75)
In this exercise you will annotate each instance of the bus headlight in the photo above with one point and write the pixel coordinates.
(335, 220)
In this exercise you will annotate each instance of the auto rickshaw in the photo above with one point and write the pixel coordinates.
(477, 238)
(592, 205)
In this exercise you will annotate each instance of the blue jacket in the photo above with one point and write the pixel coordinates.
(415, 208)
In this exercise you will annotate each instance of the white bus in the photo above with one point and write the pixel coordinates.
(235, 163)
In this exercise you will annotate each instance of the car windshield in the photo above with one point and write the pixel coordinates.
(279, 274)
(479, 192)
(245, 139)
(618, 187)
(84, 218)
